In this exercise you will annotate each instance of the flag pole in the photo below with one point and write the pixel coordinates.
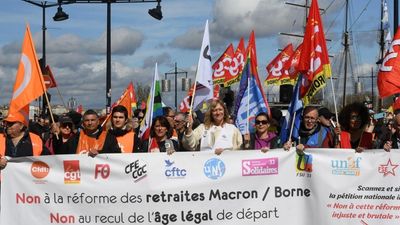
(62, 99)
(292, 126)
(152, 103)
(248, 105)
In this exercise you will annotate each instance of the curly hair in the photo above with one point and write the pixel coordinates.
(164, 123)
(208, 119)
(345, 115)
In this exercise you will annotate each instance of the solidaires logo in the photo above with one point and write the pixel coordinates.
(39, 169)
(214, 168)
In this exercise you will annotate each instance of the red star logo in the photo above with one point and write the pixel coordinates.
(388, 168)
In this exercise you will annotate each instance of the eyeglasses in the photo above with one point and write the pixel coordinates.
(262, 122)
(355, 117)
(310, 119)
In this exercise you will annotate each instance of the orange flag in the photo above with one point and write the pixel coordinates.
(314, 60)
(29, 83)
(124, 100)
(389, 72)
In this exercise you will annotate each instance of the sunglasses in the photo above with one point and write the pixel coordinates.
(9, 124)
(65, 125)
(262, 122)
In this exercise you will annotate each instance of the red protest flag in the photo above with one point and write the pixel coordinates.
(237, 65)
(389, 72)
(132, 95)
(185, 104)
(222, 66)
(314, 60)
(277, 69)
(29, 83)
(294, 62)
(48, 77)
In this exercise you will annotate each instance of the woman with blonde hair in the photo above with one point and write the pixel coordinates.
(215, 134)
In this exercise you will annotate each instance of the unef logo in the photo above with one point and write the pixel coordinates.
(349, 167)
(388, 168)
(102, 170)
(214, 168)
(172, 171)
(72, 172)
(304, 163)
(39, 169)
(137, 170)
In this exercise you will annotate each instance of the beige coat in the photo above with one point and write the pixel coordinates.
(227, 137)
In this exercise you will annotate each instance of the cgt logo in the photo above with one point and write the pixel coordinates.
(72, 172)
(39, 169)
(137, 170)
(173, 172)
(102, 170)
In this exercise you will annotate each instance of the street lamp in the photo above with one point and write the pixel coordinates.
(185, 83)
(61, 15)
(42, 61)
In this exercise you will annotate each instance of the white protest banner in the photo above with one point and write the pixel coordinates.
(324, 186)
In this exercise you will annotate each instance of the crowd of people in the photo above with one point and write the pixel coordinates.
(73, 133)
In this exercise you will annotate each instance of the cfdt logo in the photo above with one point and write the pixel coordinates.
(349, 167)
(388, 168)
(137, 170)
(214, 168)
(304, 163)
(259, 167)
(171, 171)
(39, 169)
(102, 171)
(72, 172)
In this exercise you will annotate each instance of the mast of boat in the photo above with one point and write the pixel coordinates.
(346, 51)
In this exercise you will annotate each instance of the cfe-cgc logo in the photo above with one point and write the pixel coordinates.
(137, 170)
(260, 167)
(214, 168)
(388, 168)
(349, 167)
(102, 171)
(72, 172)
(173, 172)
(39, 170)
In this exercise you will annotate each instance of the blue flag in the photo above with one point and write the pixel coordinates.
(295, 106)
(249, 102)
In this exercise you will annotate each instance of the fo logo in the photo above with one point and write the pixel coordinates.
(214, 168)
(39, 169)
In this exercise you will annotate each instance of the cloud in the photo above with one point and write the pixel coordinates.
(163, 58)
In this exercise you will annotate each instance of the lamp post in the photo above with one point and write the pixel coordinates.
(60, 15)
(44, 5)
(176, 73)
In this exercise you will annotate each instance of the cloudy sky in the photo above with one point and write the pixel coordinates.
(75, 48)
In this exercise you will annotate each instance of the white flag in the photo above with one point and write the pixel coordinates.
(204, 83)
